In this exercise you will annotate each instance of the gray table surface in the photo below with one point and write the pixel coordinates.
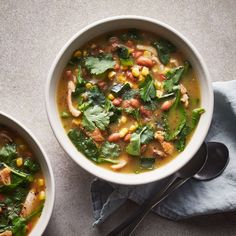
(32, 33)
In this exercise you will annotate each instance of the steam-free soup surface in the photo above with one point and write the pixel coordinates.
(22, 185)
(129, 101)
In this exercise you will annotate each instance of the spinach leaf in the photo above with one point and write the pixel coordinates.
(173, 77)
(179, 113)
(196, 114)
(96, 96)
(164, 48)
(84, 144)
(95, 117)
(123, 52)
(98, 65)
(132, 34)
(124, 55)
(109, 150)
(80, 85)
(133, 112)
(143, 135)
(147, 135)
(147, 89)
(19, 226)
(113, 111)
(127, 95)
(181, 140)
(147, 162)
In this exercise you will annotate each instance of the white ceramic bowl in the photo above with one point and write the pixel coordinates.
(142, 23)
(46, 168)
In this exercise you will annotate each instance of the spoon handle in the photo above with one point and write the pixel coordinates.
(145, 207)
(152, 203)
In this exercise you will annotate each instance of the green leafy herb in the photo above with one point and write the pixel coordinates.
(114, 112)
(179, 113)
(95, 117)
(147, 89)
(127, 95)
(96, 96)
(8, 152)
(127, 62)
(143, 135)
(196, 114)
(84, 144)
(133, 112)
(31, 165)
(181, 140)
(173, 77)
(98, 65)
(132, 34)
(123, 52)
(110, 150)
(80, 85)
(65, 114)
(147, 162)
(164, 48)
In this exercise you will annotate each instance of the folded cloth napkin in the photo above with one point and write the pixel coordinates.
(194, 197)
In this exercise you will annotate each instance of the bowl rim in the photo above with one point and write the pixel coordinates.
(126, 179)
(42, 222)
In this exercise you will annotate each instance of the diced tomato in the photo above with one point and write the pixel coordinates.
(162, 77)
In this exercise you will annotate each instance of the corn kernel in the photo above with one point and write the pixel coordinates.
(111, 97)
(132, 128)
(42, 195)
(40, 182)
(124, 67)
(135, 71)
(158, 85)
(166, 70)
(147, 54)
(89, 85)
(85, 53)
(19, 161)
(159, 93)
(76, 121)
(111, 74)
(123, 119)
(121, 78)
(77, 53)
(123, 132)
(145, 71)
(141, 78)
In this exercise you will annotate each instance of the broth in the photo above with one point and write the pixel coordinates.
(150, 87)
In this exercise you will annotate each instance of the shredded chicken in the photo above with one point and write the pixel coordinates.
(6, 233)
(157, 152)
(120, 165)
(167, 147)
(30, 203)
(5, 176)
(159, 135)
(72, 109)
(183, 90)
(174, 62)
(147, 48)
(184, 99)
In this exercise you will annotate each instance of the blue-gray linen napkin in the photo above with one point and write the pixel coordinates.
(194, 198)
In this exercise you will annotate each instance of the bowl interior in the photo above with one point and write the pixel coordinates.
(142, 23)
(46, 169)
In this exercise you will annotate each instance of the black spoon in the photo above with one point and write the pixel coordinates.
(202, 167)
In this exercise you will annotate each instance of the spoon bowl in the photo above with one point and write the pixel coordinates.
(216, 162)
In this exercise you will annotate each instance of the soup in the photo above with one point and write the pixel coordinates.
(129, 101)
(22, 185)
